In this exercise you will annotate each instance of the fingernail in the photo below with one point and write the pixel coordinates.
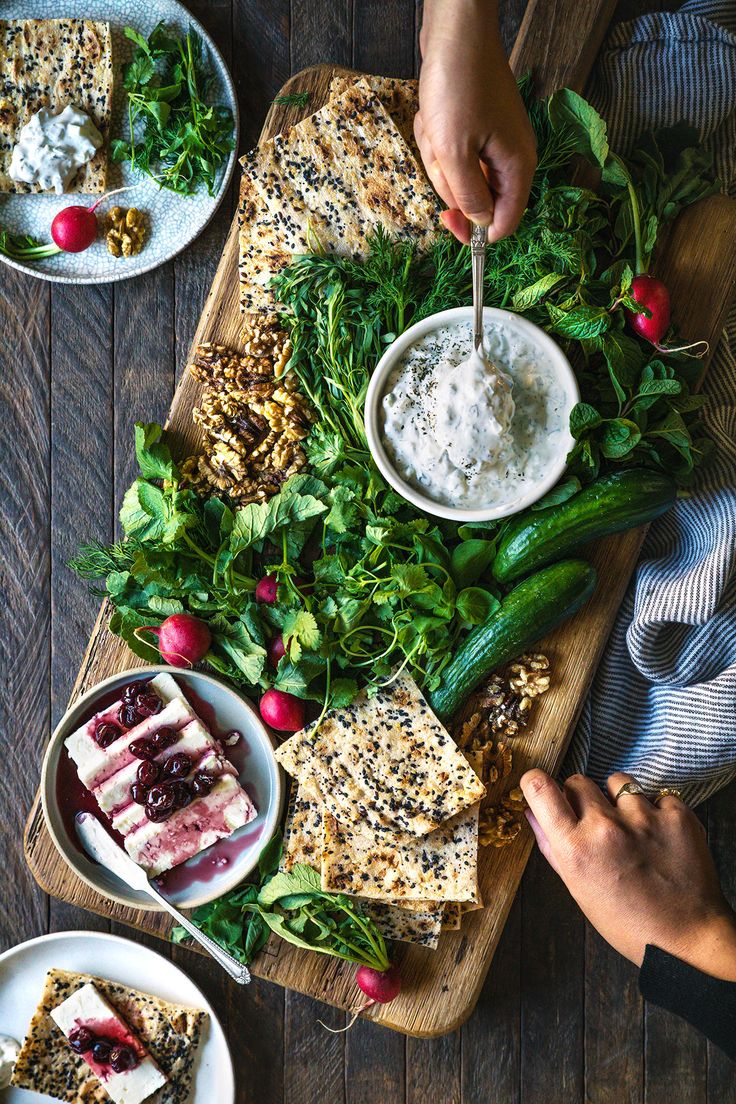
(481, 218)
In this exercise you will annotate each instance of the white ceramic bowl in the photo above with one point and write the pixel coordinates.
(259, 772)
(511, 322)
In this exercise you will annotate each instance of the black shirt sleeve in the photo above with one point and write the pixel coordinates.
(704, 1001)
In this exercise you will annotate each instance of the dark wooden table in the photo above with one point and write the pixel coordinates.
(560, 1020)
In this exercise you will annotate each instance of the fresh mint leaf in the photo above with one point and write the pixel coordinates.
(529, 296)
(560, 493)
(583, 417)
(581, 323)
(619, 437)
(152, 454)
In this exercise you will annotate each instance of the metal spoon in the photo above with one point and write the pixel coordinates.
(103, 849)
(478, 240)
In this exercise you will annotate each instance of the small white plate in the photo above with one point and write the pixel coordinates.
(24, 968)
(173, 220)
(260, 774)
(508, 323)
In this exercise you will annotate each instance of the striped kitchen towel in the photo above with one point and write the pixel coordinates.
(663, 703)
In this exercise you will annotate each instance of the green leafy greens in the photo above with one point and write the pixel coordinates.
(22, 247)
(294, 907)
(182, 140)
(389, 589)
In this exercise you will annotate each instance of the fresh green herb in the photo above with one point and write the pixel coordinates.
(569, 268)
(294, 99)
(295, 908)
(22, 247)
(388, 588)
(176, 136)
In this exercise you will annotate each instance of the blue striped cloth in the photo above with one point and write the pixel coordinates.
(663, 703)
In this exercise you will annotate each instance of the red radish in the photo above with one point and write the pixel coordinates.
(653, 295)
(75, 228)
(267, 590)
(381, 986)
(275, 650)
(183, 640)
(282, 711)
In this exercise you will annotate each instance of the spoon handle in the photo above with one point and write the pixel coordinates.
(237, 971)
(478, 238)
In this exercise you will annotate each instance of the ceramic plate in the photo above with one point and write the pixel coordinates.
(220, 867)
(174, 221)
(23, 969)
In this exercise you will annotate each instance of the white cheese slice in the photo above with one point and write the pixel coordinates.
(130, 814)
(87, 1007)
(167, 688)
(95, 764)
(194, 741)
(159, 847)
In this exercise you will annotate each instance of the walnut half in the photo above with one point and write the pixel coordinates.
(126, 231)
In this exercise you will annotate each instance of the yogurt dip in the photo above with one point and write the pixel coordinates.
(52, 147)
(9, 1051)
(468, 432)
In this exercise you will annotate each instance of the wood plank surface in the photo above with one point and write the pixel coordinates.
(44, 500)
(693, 263)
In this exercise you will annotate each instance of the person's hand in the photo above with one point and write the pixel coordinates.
(472, 129)
(640, 872)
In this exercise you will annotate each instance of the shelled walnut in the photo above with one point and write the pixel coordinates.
(492, 719)
(126, 231)
(252, 416)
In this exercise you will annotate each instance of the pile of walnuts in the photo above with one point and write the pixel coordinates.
(252, 416)
(495, 715)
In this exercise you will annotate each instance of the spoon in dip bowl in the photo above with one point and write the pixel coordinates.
(472, 400)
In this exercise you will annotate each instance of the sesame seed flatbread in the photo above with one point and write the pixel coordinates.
(442, 866)
(170, 1032)
(53, 63)
(399, 97)
(327, 184)
(420, 922)
(394, 923)
(385, 760)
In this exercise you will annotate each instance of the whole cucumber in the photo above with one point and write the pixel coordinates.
(609, 505)
(528, 612)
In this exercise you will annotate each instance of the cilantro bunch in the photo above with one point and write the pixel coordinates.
(177, 137)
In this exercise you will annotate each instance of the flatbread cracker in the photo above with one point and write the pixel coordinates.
(399, 97)
(170, 1032)
(332, 180)
(442, 866)
(384, 761)
(52, 63)
(423, 927)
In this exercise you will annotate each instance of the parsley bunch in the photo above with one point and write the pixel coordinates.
(176, 137)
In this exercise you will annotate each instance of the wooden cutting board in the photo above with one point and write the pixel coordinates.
(440, 988)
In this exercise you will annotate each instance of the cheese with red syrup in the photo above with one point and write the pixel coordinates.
(210, 803)
(87, 1008)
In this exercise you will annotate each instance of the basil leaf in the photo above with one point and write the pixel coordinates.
(470, 559)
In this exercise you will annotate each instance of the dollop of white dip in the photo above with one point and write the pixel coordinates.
(52, 147)
(9, 1051)
(471, 431)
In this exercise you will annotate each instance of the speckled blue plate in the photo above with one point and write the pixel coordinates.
(174, 221)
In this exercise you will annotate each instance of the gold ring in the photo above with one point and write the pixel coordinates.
(666, 792)
(630, 788)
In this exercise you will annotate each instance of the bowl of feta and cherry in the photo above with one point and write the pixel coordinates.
(178, 768)
(471, 435)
